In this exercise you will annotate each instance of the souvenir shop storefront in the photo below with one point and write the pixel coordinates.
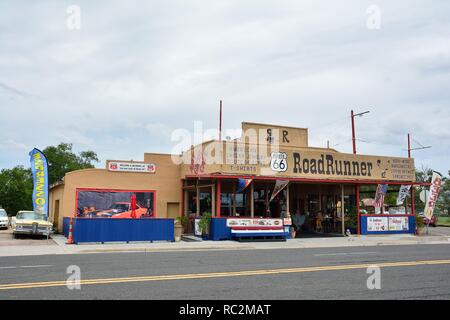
(326, 192)
(264, 184)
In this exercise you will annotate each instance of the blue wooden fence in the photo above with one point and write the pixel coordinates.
(410, 228)
(120, 230)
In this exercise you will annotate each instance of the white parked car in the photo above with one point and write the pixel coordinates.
(4, 221)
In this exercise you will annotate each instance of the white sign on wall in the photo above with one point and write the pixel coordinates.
(131, 167)
(377, 224)
(197, 230)
(398, 224)
(254, 223)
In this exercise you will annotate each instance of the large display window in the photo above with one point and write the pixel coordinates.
(103, 203)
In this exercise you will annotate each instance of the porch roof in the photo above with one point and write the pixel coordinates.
(306, 180)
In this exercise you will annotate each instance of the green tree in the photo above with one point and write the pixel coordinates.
(423, 175)
(443, 204)
(16, 187)
(16, 184)
(61, 159)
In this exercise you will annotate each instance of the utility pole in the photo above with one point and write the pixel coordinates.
(220, 122)
(413, 206)
(353, 115)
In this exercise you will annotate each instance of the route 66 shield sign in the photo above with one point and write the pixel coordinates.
(278, 162)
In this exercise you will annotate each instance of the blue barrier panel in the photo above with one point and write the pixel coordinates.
(287, 232)
(66, 224)
(122, 230)
(219, 230)
(411, 224)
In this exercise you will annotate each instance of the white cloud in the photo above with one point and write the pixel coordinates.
(138, 70)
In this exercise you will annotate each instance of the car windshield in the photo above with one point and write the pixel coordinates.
(29, 215)
(119, 207)
(3, 213)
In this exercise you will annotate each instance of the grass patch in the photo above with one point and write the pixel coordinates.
(443, 221)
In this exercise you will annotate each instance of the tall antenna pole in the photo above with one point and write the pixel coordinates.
(220, 122)
(413, 209)
(353, 132)
(409, 146)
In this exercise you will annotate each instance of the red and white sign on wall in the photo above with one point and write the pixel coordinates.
(254, 223)
(131, 167)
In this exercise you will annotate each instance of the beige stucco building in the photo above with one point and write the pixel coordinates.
(204, 178)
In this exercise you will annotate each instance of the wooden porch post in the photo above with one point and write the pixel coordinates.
(183, 199)
(343, 208)
(357, 209)
(252, 200)
(213, 200)
(197, 200)
(288, 214)
(218, 192)
(234, 200)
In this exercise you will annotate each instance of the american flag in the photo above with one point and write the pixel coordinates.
(379, 196)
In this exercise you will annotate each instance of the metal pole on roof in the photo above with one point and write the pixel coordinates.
(353, 115)
(413, 206)
(353, 132)
(220, 122)
(409, 146)
(413, 209)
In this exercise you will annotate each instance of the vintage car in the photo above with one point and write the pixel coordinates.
(4, 221)
(31, 223)
(121, 210)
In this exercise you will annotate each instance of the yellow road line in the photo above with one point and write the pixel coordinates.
(221, 274)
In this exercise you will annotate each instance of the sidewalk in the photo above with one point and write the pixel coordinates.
(352, 241)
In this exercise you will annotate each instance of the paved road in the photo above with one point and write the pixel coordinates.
(439, 231)
(7, 239)
(287, 274)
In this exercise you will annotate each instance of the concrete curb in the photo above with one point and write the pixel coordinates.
(63, 248)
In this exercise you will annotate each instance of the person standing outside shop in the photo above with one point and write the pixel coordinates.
(298, 220)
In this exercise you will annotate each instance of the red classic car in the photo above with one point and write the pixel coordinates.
(121, 210)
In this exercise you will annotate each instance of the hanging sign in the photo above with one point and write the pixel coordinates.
(402, 194)
(243, 184)
(279, 185)
(380, 194)
(398, 224)
(376, 224)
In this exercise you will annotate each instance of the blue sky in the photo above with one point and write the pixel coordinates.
(137, 70)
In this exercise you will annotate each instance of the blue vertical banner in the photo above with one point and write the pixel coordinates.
(39, 170)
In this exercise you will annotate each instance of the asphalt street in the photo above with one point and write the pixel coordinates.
(310, 274)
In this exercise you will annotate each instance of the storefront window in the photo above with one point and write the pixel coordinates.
(313, 203)
(114, 203)
(234, 204)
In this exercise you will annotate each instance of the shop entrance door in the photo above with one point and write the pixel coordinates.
(318, 206)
